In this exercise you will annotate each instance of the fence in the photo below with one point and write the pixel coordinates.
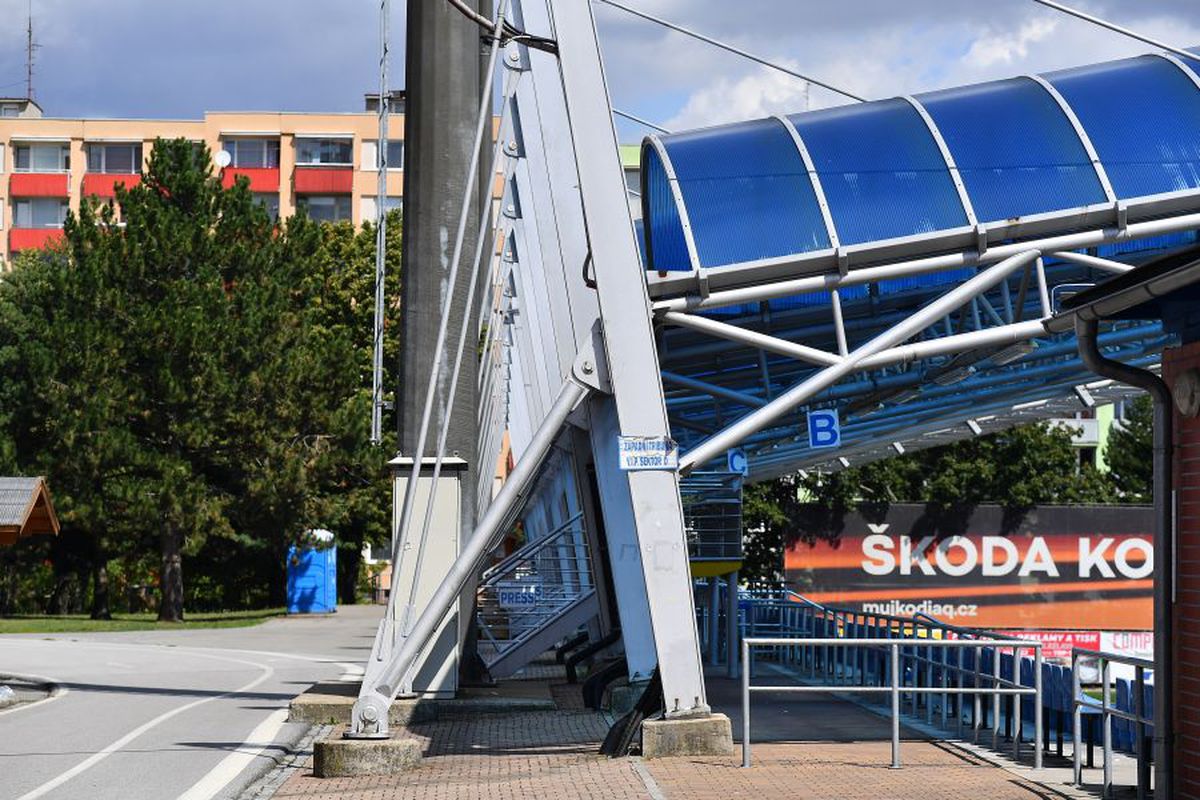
(843, 661)
(809, 650)
(1139, 717)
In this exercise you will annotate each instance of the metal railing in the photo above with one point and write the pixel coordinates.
(1106, 712)
(712, 515)
(519, 596)
(808, 651)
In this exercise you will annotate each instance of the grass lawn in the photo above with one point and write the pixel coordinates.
(80, 623)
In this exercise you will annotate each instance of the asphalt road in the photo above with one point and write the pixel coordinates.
(168, 714)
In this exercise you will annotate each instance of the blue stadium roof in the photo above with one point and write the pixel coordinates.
(1003, 154)
(959, 170)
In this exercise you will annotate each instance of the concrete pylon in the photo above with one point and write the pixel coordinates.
(445, 69)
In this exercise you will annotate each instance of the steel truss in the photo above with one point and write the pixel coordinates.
(575, 329)
(562, 350)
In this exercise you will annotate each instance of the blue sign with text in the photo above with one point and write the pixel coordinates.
(824, 430)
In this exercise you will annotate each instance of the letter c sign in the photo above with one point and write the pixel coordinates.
(824, 429)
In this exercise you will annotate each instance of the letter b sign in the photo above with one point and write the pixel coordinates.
(823, 429)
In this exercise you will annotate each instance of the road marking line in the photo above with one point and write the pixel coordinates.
(173, 648)
(95, 759)
(232, 765)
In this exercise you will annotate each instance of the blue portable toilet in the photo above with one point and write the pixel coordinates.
(312, 576)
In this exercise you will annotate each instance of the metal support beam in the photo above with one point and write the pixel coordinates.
(771, 278)
(733, 628)
(369, 717)
(943, 345)
(633, 359)
(713, 390)
(1095, 262)
(757, 420)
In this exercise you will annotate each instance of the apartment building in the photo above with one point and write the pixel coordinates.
(325, 163)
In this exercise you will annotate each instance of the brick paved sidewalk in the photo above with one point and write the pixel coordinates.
(553, 756)
(843, 771)
(549, 755)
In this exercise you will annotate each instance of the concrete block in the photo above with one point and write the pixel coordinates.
(337, 757)
(709, 735)
(330, 703)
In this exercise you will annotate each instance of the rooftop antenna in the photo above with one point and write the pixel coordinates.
(29, 47)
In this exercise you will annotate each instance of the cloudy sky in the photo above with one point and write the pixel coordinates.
(179, 58)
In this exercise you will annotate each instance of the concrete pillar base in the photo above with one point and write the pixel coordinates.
(341, 758)
(330, 704)
(710, 735)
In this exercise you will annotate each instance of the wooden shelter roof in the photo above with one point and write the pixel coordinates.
(25, 509)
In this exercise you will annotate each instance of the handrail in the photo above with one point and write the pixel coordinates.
(491, 574)
(1116, 658)
(915, 637)
(894, 647)
(1079, 701)
(960, 628)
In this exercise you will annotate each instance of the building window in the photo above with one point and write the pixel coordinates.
(328, 152)
(10, 110)
(269, 201)
(326, 208)
(252, 153)
(368, 205)
(41, 157)
(115, 159)
(395, 154)
(39, 212)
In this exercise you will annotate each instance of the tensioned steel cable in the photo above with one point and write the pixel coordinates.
(1112, 26)
(640, 121)
(731, 49)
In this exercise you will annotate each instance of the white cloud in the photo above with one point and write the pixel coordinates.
(1008, 48)
(873, 48)
(757, 95)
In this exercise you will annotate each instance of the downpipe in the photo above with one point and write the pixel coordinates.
(1164, 541)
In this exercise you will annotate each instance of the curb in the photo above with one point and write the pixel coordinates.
(53, 689)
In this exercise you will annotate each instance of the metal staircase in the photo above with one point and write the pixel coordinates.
(535, 597)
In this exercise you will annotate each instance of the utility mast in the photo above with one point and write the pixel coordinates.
(381, 148)
(29, 54)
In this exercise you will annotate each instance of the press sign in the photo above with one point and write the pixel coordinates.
(647, 452)
(519, 594)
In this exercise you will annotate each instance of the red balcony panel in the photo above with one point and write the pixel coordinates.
(261, 180)
(39, 184)
(102, 185)
(32, 238)
(324, 180)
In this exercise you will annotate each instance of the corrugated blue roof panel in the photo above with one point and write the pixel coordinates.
(1143, 117)
(881, 171)
(747, 192)
(666, 249)
(1016, 150)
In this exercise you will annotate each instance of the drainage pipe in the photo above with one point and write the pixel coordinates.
(1164, 543)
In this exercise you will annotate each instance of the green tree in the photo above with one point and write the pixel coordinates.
(195, 381)
(351, 491)
(1130, 452)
